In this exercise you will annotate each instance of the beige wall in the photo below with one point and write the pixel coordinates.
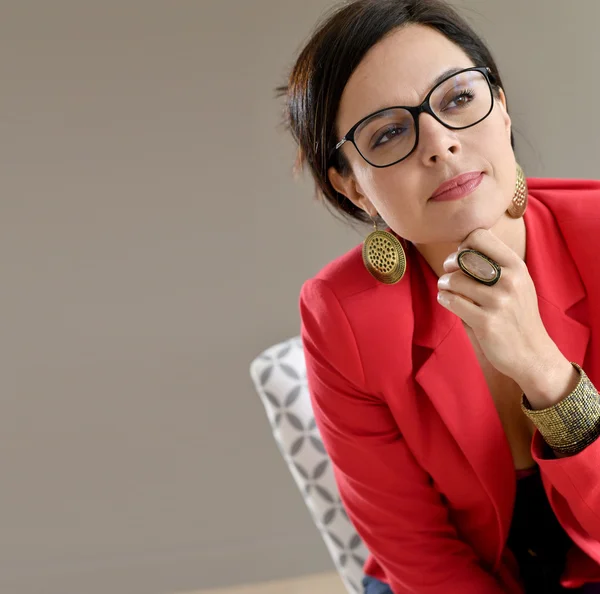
(153, 242)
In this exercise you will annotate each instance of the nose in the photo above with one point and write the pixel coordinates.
(436, 142)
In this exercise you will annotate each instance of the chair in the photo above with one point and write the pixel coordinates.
(279, 376)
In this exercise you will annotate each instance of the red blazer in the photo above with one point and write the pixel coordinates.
(420, 457)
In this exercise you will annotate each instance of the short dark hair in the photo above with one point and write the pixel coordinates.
(318, 77)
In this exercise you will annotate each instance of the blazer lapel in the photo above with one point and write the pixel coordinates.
(452, 377)
(561, 292)
(453, 380)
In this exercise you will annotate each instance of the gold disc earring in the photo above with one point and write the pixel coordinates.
(518, 206)
(383, 256)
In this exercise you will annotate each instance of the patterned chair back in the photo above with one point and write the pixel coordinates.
(279, 375)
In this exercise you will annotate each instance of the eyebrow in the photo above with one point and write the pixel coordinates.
(446, 74)
(437, 81)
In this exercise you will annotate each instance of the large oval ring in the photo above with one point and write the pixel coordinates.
(479, 267)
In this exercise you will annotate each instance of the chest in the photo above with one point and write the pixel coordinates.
(506, 395)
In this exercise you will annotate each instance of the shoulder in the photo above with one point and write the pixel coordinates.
(346, 283)
(345, 276)
(335, 286)
(344, 308)
(325, 299)
(327, 331)
(351, 324)
(570, 200)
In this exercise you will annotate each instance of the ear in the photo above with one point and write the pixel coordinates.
(504, 109)
(349, 187)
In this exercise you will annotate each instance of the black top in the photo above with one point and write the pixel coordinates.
(539, 542)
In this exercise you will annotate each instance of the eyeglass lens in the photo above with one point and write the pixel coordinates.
(459, 102)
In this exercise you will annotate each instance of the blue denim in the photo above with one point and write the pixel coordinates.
(374, 586)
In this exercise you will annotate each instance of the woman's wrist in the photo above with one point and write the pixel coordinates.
(573, 422)
(548, 381)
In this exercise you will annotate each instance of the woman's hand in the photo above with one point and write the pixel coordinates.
(506, 322)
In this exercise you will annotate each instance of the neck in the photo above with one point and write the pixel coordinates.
(510, 231)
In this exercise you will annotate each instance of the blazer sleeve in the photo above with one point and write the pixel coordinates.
(576, 480)
(386, 493)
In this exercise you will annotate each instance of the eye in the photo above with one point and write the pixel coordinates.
(389, 133)
(461, 99)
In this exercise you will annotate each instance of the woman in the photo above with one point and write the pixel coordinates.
(452, 359)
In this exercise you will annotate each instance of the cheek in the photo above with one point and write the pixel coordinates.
(393, 191)
(502, 159)
(491, 142)
(381, 185)
(497, 135)
(500, 147)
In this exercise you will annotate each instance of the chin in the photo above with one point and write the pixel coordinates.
(466, 223)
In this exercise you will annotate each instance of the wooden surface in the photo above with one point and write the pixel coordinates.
(325, 583)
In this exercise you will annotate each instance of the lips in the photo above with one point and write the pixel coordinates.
(455, 182)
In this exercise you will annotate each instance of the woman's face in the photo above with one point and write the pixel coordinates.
(401, 70)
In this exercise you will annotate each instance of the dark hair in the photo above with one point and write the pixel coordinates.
(329, 58)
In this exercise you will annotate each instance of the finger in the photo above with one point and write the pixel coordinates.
(451, 263)
(470, 313)
(462, 285)
(487, 243)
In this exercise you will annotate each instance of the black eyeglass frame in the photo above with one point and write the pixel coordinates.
(425, 107)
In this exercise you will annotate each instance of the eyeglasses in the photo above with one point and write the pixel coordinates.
(390, 135)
